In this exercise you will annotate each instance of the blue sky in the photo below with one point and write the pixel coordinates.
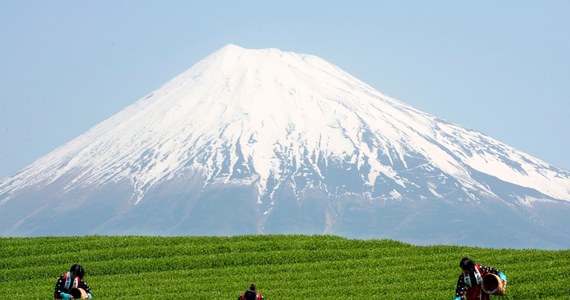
(499, 67)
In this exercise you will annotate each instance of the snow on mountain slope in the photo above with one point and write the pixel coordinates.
(273, 109)
(300, 146)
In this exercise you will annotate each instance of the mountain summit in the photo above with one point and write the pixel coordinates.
(266, 141)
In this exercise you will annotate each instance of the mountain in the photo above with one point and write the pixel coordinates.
(265, 141)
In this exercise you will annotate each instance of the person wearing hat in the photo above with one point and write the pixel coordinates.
(70, 285)
(251, 294)
(470, 285)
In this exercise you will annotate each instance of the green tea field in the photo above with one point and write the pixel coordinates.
(282, 266)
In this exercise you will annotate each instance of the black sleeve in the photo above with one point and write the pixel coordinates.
(60, 284)
(490, 270)
(85, 286)
(460, 288)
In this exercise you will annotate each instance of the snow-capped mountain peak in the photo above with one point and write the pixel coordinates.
(256, 111)
(269, 119)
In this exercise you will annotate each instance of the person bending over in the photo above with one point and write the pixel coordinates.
(470, 282)
(70, 285)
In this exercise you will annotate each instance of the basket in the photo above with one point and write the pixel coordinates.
(493, 285)
(78, 293)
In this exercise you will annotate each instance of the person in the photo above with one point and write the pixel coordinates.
(469, 284)
(71, 285)
(251, 294)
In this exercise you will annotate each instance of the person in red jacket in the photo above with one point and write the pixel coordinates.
(70, 284)
(469, 284)
(251, 294)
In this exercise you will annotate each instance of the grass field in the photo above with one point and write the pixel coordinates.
(283, 267)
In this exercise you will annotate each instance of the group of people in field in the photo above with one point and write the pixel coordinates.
(475, 282)
(70, 285)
